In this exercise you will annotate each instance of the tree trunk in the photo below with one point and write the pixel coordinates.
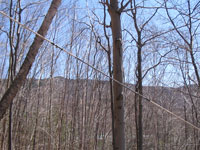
(10, 94)
(138, 97)
(117, 75)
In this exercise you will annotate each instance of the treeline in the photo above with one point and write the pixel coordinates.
(60, 93)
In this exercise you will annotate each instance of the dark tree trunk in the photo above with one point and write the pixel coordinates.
(138, 97)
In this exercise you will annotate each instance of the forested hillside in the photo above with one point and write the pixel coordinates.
(76, 113)
(99, 75)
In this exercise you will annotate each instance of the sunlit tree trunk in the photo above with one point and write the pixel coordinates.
(13, 89)
(119, 123)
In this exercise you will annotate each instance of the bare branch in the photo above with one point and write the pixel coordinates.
(159, 62)
(149, 19)
(123, 6)
(172, 22)
(10, 94)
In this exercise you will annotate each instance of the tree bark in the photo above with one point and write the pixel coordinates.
(119, 124)
(138, 99)
(13, 89)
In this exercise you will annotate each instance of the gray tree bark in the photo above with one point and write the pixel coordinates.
(13, 89)
(119, 124)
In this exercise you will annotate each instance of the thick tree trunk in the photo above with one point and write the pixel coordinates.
(117, 75)
(10, 94)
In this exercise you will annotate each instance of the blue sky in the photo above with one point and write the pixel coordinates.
(167, 73)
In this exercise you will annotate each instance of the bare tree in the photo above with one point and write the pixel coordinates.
(140, 41)
(10, 94)
(119, 124)
(187, 46)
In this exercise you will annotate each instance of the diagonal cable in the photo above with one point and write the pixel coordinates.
(122, 84)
